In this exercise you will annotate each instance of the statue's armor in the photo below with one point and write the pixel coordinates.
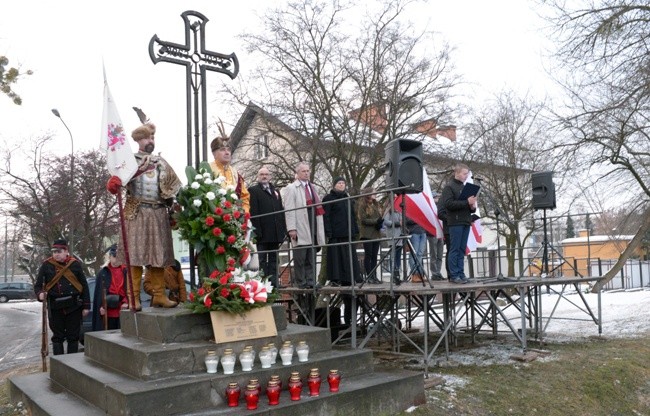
(145, 188)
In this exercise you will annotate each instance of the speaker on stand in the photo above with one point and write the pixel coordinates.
(404, 166)
(404, 175)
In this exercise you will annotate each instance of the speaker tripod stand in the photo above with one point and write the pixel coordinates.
(545, 270)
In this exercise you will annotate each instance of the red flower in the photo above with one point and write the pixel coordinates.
(209, 221)
(216, 231)
(214, 274)
(233, 286)
(231, 239)
(237, 214)
(223, 280)
(220, 250)
(231, 261)
(191, 296)
(244, 226)
(247, 216)
(227, 204)
(218, 211)
(225, 292)
(227, 217)
(201, 291)
(207, 301)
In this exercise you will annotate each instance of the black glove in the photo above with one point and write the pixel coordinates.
(380, 223)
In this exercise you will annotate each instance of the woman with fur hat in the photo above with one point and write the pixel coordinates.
(341, 227)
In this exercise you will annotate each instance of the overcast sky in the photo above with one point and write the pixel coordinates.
(498, 45)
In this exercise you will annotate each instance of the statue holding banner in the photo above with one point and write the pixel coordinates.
(150, 193)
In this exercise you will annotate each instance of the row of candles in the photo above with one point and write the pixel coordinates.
(268, 357)
(274, 388)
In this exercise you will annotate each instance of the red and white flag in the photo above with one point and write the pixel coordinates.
(422, 209)
(120, 160)
(476, 231)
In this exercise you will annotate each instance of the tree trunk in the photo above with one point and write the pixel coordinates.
(625, 255)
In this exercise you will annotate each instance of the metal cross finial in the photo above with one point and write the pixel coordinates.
(197, 60)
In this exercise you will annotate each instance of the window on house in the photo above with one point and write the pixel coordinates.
(262, 147)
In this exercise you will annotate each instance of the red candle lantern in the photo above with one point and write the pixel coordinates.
(273, 392)
(232, 394)
(334, 379)
(295, 387)
(313, 382)
(252, 397)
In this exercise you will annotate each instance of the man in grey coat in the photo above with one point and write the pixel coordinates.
(304, 219)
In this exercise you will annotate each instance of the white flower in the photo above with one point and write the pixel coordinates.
(195, 185)
(230, 188)
(210, 196)
(207, 175)
(269, 286)
(197, 202)
(198, 177)
(208, 181)
(234, 196)
(238, 276)
(222, 191)
(219, 180)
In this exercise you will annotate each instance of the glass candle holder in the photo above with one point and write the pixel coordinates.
(302, 350)
(266, 357)
(246, 360)
(334, 379)
(286, 353)
(211, 361)
(252, 397)
(228, 361)
(314, 382)
(273, 392)
(295, 388)
(252, 351)
(232, 394)
(274, 352)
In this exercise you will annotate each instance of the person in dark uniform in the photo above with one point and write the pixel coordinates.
(61, 280)
(270, 230)
(111, 281)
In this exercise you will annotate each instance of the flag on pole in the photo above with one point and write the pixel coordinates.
(120, 160)
(422, 209)
(476, 231)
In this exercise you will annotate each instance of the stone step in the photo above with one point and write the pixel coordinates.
(178, 324)
(149, 360)
(377, 393)
(43, 397)
(120, 394)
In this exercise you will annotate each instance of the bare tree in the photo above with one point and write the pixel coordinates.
(46, 206)
(509, 134)
(346, 79)
(10, 76)
(606, 45)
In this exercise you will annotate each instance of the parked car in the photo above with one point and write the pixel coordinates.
(16, 290)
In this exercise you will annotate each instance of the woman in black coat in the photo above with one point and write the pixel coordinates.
(341, 227)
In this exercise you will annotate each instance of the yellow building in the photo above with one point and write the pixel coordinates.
(580, 250)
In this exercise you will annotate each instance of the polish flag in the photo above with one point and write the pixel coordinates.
(476, 231)
(120, 160)
(422, 209)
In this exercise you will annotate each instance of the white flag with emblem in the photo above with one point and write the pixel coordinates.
(120, 160)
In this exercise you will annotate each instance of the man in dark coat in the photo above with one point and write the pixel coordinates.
(458, 214)
(62, 281)
(270, 230)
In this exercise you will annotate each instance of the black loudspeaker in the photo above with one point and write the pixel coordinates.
(543, 190)
(404, 165)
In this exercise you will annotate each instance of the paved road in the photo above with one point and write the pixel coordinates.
(20, 333)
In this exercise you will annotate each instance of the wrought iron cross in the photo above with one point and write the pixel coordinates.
(196, 59)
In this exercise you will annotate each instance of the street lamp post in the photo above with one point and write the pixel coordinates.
(58, 115)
